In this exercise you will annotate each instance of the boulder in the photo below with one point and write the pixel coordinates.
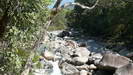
(95, 58)
(125, 70)
(68, 69)
(83, 72)
(80, 56)
(113, 61)
(49, 55)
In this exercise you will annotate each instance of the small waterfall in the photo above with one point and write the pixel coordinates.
(56, 69)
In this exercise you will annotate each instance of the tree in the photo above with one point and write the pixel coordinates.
(21, 22)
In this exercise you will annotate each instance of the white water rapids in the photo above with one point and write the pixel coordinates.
(56, 70)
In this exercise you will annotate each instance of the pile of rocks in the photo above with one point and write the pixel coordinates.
(77, 59)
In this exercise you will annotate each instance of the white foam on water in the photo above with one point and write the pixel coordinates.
(56, 69)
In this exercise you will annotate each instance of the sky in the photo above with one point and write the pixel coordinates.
(63, 1)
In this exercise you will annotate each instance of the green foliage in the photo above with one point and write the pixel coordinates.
(12, 62)
(21, 22)
(112, 19)
(59, 21)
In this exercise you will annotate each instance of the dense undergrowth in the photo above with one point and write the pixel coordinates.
(21, 22)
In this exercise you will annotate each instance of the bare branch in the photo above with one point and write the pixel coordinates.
(78, 4)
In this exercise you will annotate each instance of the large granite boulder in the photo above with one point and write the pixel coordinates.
(113, 61)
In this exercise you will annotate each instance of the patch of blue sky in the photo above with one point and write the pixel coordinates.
(63, 2)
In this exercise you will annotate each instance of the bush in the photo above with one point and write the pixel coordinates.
(21, 22)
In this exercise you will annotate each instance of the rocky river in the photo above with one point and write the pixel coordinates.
(63, 54)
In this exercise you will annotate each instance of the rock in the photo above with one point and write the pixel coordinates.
(86, 67)
(68, 69)
(83, 67)
(64, 33)
(92, 67)
(79, 60)
(113, 61)
(80, 56)
(95, 58)
(125, 70)
(130, 55)
(71, 44)
(82, 44)
(49, 55)
(83, 72)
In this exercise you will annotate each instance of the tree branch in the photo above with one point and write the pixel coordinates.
(57, 4)
(78, 4)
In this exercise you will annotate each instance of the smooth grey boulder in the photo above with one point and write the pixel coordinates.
(68, 69)
(113, 61)
(80, 56)
(125, 70)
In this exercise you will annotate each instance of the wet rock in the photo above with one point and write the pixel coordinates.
(64, 33)
(125, 70)
(113, 61)
(82, 44)
(68, 69)
(83, 72)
